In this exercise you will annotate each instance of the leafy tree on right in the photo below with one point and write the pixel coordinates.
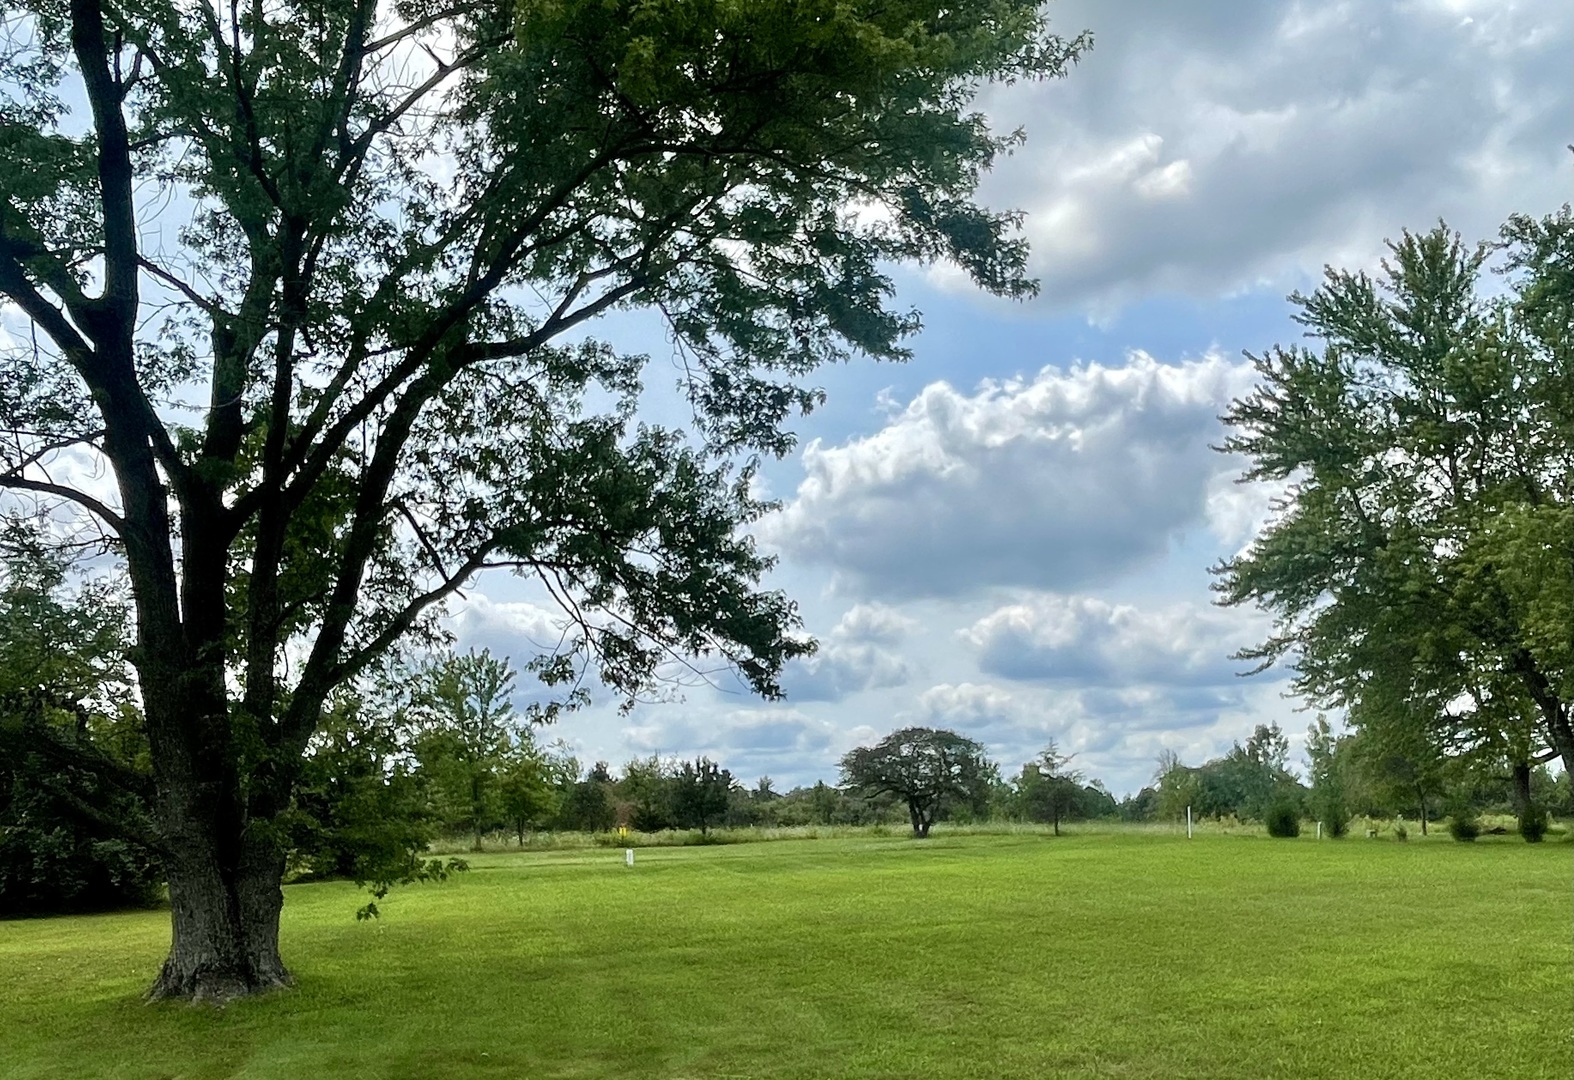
(1420, 565)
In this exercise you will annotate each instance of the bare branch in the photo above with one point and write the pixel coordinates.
(426, 23)
(212, 307)
(44, 487)
(401, 622)
(420, 534)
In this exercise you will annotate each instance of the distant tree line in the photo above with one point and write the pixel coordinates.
(1352, 774)
(435, 747)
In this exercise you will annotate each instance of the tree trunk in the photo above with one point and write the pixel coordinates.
(476, 808)
(1560, 729)
(1521, 775)
(225, 918)
(223, 863)
(1555, 712)
(1421, 795)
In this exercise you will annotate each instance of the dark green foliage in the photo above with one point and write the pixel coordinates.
(586, 806)
(1464, 825)
(1143, 806)
(1283, 820)
(532, 784)
(822, 804)
(1400, 767)
(1552, 791)
(1337, 822)
(1048, 791)
(52, 863)
(361, 810)
(645, 795)
(1244, 783)
(1463, 804)
(700, 794)
(465, 730)
(76, 830)
(1533, 823)
(1419, 570)
(1330, 778)
(928, 769)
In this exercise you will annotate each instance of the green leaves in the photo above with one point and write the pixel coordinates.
(74, 792)
(1422, 567)
(357, 373)
(928, 768)
(388, 404)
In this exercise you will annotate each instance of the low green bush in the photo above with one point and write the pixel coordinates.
(1464, 826)
(1283, 821)
(1533, 824)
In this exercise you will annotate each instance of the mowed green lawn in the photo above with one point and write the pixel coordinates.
(1120, 955)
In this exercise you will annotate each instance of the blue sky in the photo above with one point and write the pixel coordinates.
(1010, 535)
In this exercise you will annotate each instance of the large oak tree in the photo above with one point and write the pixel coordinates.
(312, 280)
(929, 769)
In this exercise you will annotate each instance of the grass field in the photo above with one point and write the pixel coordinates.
(1101, 955)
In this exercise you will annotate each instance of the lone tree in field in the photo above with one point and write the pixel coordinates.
(1049, 787)
(1421, 568)
(927, 768)
(349, 371)
(700, 792)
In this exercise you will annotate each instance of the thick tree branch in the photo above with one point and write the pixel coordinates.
(82, 499)
(211, 306)
(426, 23)
(115, 824)
(15, 284)
(357, 660)
(115, 174)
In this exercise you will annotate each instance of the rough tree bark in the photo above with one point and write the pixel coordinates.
(225, 899)
(224, 866)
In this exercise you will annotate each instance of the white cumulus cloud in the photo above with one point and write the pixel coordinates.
(1094, 642)
(1215, 145)
(858, 655)
(1067, 480)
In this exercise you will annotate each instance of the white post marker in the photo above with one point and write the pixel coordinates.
(1319, 830)
(1188, 823)
(628, 856)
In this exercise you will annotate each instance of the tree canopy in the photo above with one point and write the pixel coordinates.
(1421, 564)
(1245, 782)
(358, 372)
(1048, 788)
(927, 768)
